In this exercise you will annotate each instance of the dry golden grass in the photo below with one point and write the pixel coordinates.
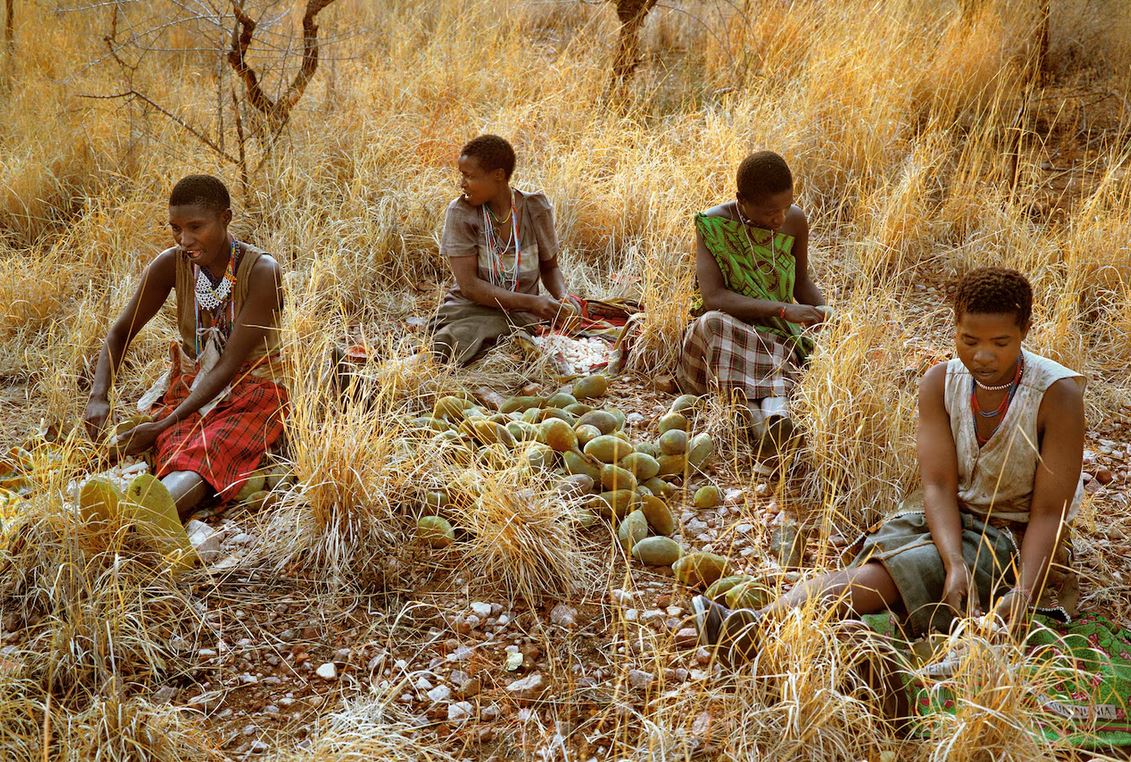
(901, 122)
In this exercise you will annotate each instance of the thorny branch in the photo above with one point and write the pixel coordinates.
(278, 111)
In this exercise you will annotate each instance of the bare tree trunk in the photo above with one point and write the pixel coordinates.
(279, 111)
(632, 14)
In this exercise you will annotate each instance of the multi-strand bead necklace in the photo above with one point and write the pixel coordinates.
(499, 274)
(1000, 410)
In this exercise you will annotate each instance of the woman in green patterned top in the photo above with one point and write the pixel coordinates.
(756, 297)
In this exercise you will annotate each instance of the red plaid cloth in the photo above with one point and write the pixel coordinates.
(722, 352)
(227, 444)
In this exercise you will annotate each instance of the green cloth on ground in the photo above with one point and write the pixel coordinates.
(1085, 665)
(765, 270)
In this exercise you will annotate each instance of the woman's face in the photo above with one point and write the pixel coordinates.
(988, 344)
(479, 185)
(201, 232)
(767, 211)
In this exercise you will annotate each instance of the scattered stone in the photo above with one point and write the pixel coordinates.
(514, 661)
(258, 747)
(248, 679)
(459, 711)
(481, 610)
(527, 688)
(206, 653)
(1104, 476)
(440, 694)
(205, 539)
(563, 615)
(686, 637)
(327, 671)
(463, 653)
(490, 712)
(164, 694)
(622, 596)
(640, 679)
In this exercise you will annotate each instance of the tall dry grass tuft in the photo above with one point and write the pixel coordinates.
(368, 727)
(856, 407)
(521, 534)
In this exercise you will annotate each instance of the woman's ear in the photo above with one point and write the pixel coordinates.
(226, 217)
(1025, 328)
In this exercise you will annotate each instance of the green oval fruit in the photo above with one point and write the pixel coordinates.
(591, 386)
(707, 496)
(605, 422)
(449, 437)
(578, 408)
(749, 595)
(700, 569)
(683, 402)
(520, 404)
(586, 433)
(473, 413)
(523, 431)
(539, 456)
(618, 414)
(558, 434)
(673, 421)
(98, 500)
(430, 424)
(720, 587)
(642, 466)
(649, 448)
(617, 478)
(623, 436)
(658, 514)
(500, 418)
(632, 530)
(608, 449)
(258, 501)
(575, 486)
(673, 442)
(659, 487)
(436, 499)
(488, 432)
(699, 449)
(253, 484)
(450, 408)
(672, 465)
(643, 491)
(614, 504)
(435, 531)
(561, 400)
(532, 415)
(657, 551)
(578, 463)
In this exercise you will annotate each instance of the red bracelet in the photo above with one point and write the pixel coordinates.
(781, 313)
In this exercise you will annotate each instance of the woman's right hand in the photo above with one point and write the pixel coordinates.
(549, 308)
(97, 412)
(803, 314)
(960, 592)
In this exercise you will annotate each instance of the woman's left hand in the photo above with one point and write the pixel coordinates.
(140, 438)
(1013, 610)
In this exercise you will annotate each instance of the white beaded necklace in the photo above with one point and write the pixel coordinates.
(209, 297)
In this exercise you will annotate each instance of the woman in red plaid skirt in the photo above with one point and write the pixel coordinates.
(756, 297)
(219, 408)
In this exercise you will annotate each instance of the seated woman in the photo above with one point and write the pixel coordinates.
(1001, 439)
(752, 267)
(219, 408)
(499, 242)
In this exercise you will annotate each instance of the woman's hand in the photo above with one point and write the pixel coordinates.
(549, 308)
(1012, 609)
(140, 438)
(960, 592)
(803, 314)
(97, 412)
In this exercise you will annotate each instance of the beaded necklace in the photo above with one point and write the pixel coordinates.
(210, 298)
(497, 272)
(999, 411)
(773, 240)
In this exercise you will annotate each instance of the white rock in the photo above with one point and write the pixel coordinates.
(327, 671)
(527, 687)
(630, 615)
(463, 653)
(622, 596)
(481, 610)
(490, 712)
(164, 694)
(459, 711)
(258, 747)
(563, 615)
(423, 684)
(440, 694)
(205, 540)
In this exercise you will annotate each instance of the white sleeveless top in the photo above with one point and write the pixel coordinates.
(997, 478)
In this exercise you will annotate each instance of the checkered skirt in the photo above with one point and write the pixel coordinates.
(229, 443)
(720, 352)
